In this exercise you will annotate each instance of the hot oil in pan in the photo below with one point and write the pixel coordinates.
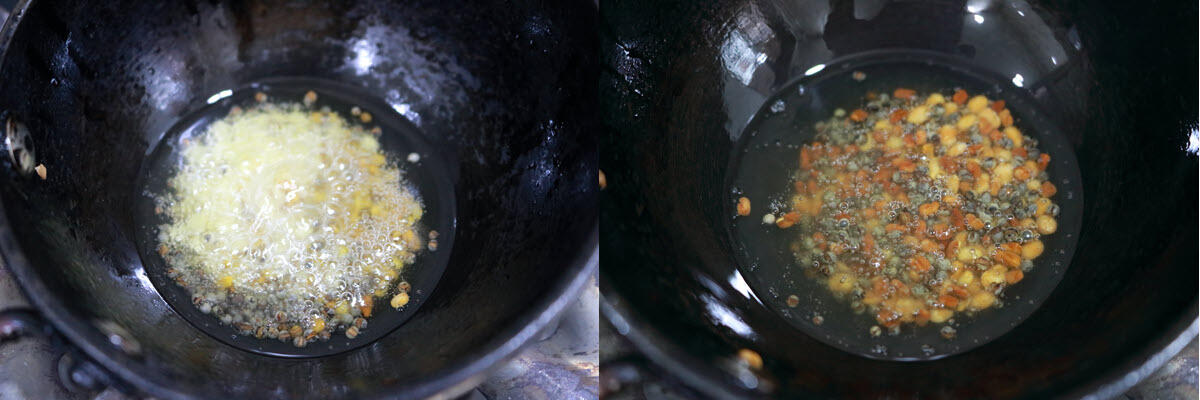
(762, 170)
(424, 173)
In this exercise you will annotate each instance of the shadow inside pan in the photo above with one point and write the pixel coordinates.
(428, 177)
(766, 156)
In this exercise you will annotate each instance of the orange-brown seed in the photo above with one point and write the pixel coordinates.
(743, 206)
(928, 209)
(1014, 276)
(1048, 189)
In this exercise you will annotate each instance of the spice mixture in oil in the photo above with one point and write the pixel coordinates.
(915, 208)
(288, 222)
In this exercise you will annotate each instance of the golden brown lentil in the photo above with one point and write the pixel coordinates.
(751, 358)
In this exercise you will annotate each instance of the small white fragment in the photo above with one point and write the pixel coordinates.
(778, 106)
(769, 219)
(414, 157)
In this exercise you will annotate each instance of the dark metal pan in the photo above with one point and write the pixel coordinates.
(687, 85)
(502, 93)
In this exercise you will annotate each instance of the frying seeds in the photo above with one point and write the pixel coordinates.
(921, 208)
(289, 223)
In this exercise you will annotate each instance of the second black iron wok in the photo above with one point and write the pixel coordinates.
(682, 79)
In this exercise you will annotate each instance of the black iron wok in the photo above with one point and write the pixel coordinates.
(504, 91)
(681, 81)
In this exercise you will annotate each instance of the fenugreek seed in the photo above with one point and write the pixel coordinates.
(743, 206)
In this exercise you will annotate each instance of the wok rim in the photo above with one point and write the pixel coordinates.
(457, 378)
(670, 356)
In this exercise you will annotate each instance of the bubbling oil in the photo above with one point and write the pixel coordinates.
(288, 222)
